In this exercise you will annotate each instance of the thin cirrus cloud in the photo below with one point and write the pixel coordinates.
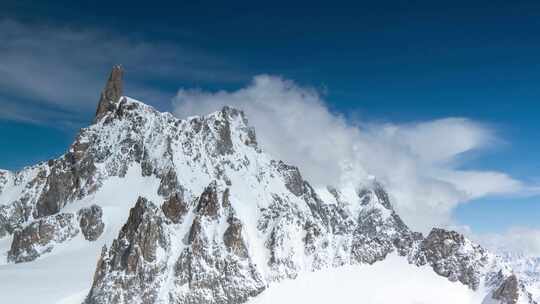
(418, 161)
(64, 68)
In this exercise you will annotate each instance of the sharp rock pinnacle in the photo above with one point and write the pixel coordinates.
(111, 94)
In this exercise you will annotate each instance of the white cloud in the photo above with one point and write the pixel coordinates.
(418, 161)
(515, 240)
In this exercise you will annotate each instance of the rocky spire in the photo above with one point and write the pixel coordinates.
(111, 93)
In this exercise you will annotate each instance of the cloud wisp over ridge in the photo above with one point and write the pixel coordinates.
(417, 161)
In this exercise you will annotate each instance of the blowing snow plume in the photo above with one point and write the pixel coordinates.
(418, 162)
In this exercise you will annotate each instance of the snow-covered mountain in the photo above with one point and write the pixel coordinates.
(193, 211)
(527, 267)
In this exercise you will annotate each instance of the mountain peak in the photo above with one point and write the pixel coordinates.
(111, 93)
(216, 220)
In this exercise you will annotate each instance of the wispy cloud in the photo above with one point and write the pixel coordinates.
(66, 68)
(419, 162)
(515, 240)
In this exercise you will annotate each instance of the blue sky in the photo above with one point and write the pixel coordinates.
(392, 62)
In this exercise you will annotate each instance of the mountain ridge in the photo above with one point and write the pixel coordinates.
(222, 220)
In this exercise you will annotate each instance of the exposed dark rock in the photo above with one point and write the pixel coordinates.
(3, 179)
(147, 168)
(40, 236)
(60, 187)
(217, 134)
(452, 256)
(111, 93)
(143, 230)
(12, 217)
(232, 279)
(233, 238)
(169, 183)
(292, 177)
(208, 204)
(508, 292)
(382, 195)
(131, 272)
(3, 230)
(281, 259)
(313, 232)
(248, 136)
(91, 223)
(70, 177)
(132, 260)
(334, 217)
(224, 141)
(225, 199)
(175, 207)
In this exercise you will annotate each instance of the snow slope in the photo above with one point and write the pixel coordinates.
(66, 273)
(390, 281)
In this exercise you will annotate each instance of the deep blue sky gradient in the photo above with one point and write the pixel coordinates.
(399, 61)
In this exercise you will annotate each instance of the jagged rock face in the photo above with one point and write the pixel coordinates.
(213, 260)
(131, 135)
(508, 292)
(453, 256)
(90, 222)
(293, 179)
(48, 187)
(111, 94)
(208, 202)
(72, 176)
(169, 183)
(215, 267)
(210, 257)
(128, 271)
(526, 268)
(175, 208)
(380, 230)
(232, 238)
(40, 236)
(63, 182)
(27, 185)
(149, 265)
(12, 217)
